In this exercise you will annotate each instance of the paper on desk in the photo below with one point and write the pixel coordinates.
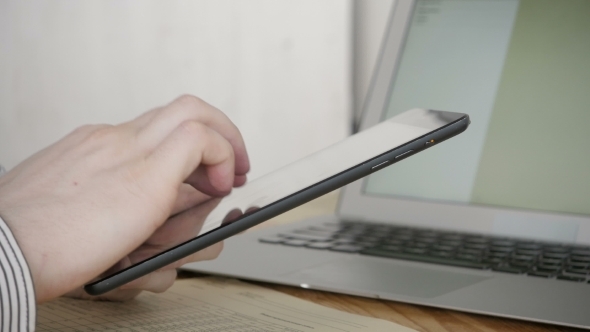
(204, 304)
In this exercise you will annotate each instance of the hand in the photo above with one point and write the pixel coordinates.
(177, 229)
(101, 196)
(188, 217)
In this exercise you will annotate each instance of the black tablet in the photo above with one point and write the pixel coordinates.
(315, 175)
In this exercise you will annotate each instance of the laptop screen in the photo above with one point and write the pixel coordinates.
(521, 70)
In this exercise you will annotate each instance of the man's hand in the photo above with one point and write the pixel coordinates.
(101, 198)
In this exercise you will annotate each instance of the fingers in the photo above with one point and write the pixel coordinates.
(240, 180)
(208, 253)
(117, 295)
(182, 227)
(189, 145)
(155, 125)
(231, 216)
(156, 282)
(200, 179)
(187, 198)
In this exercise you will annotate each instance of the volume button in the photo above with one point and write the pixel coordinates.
(403, 154)
(383, 164)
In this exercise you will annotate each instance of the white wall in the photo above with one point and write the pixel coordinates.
(369, 20)
(280, 69)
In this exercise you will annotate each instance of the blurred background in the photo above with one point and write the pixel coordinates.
(292, 74)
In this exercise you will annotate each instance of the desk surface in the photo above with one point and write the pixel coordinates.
(417, 317)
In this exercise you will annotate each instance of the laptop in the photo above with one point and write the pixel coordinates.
(495, 222)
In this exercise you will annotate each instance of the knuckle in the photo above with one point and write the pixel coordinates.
(191, 101)
(101, 132)
(87, 130)
(193, 128)
(83, 129)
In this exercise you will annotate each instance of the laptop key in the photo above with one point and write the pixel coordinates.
(467, 257)
(527, 252)
(540, 274)
(444, 254)
(555, 255)
(475, 246)
(576, 258)
(518, 263)
(305, 237)
(498, 254)
(441, 247)
(522, 258)
(295, 243)
(503, 243)
(402, 237)
(502, 249)
(529, 246)
(272, 239)
(477, 240)
(390, 247)
(576, 271)
(347, 248)
(370, 240)
(451, 243)
(424, 258)
(465, 251)
(417, 251)
(577, 265)
(425, 240)
(320, 245)
(493, 260)
(418, 245)
(571, 278)
(509, 269)
(344, 241)
(545, 268)
(556, 249)
(551, 260)
(579, 252)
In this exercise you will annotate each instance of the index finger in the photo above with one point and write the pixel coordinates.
(178, 155)
(157, 124)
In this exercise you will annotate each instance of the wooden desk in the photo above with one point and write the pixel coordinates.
(417, 317)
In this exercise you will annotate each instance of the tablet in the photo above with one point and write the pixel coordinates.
(315, 175)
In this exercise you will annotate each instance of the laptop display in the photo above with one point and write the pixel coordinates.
(520, 70)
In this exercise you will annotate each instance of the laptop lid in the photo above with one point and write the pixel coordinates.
(520, 69)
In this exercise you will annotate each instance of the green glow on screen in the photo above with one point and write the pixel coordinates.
(528, 146)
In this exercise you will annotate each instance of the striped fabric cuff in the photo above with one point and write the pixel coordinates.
(17, 295)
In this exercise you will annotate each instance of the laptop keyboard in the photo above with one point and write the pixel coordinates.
(531, 258)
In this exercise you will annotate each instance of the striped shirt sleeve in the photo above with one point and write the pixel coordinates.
(17, 295)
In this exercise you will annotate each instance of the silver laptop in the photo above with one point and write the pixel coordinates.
(496, 221)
